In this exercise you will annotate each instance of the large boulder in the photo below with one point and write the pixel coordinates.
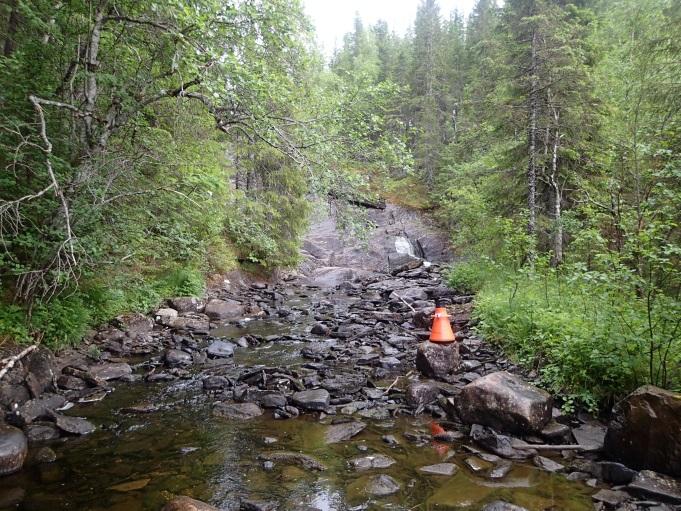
(184, 304)
(645, 432)
(13, 449)
(437, 360)
(504, 402)
(224, 309)
(313, 400)
(134, 323)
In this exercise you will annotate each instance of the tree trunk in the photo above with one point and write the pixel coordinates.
(557, 198)
(12, 26)
(532, 139)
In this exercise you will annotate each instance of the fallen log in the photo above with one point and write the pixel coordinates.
(10, 361)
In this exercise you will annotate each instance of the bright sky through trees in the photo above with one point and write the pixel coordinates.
(332, 19)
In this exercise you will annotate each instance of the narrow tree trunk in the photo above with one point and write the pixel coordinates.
(91, 64)
(557, 199)
(12, 26)
(532, 139)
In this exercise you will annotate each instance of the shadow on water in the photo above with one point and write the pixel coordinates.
(136, 462)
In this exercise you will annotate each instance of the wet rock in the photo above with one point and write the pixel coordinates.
(403, 262)
(187, 504)
(381, 486)
(612, 498)
(316, 351)
(258, 505)
(391, 440)
(375, 413)
(389, 362)
(165, 315)
(501, 445)
(614, 473)
(437, 360)
(183, 304)
(190, 324)
(213, 383)
(223, 309)
(45, 455)
(73, 425)
(40, 371)
(651, 484)
(410, 294)
(320, 329)
(237, 411)
(220, 349)
(421, 393)
(293, 458)
(371, 462)
(440, 469)
(500, 505)
(590, 436)
(331, 276)
(265, 398)
(288, 412)
(42, 432)
(314, 400)
(500, 471)
(134, 323)
(68, 382)
(13, 449)
(177, 358)
(343, 432)
(111, 371)
(11, 497)
(13, 394)
(644, 433)
(36, 409)
(547, 464)
(477, 465)
(556, 431)
(347, 383)
(504, 402)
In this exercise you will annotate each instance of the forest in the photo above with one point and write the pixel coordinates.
(146, 147)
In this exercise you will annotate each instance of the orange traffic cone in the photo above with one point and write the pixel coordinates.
(441, 331)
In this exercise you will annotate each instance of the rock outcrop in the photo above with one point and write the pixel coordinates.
(645, 432)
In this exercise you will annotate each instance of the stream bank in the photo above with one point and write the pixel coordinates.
(299, 394)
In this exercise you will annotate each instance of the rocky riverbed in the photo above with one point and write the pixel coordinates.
(308, 393)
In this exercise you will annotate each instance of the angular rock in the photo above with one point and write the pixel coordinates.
(614, 473)
(36, 409)
(134, 323)
(421, 393)
(612, 498)
(381, 485)
(590, 436)
(371, 462)
(440, 469)
(237, 411)
(177, 358)
(73, 425)
(220, 349)
(343, 432)
(314, 400)
(504, 402)
(645, 431)
(40, 372)
(547, 464)
(501, 445)
(346, 383)
(403, 262)
(437, 360)
(410, 294)
(165, 315)
(187, 504)
(190, 324)
(651, 484)
(45, 455)
(223, 309)
(110, 371)
(68, 382)
(184, 304)
(13, 449)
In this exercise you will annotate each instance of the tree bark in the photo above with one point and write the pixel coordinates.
(557, 199)
(12, 26)
(532, 142)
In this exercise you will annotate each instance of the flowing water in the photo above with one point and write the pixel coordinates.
(138, 461)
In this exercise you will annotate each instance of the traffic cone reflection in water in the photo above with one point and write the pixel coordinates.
(441, 331)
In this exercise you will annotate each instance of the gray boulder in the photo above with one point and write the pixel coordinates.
(220, 349)
(435, 360)
(645, 432)
(13, 449)
(313, 400)
(650, 484)
(504, 402)
(343, 432)
(177, 358)
(381, 485)
(184, 304)
(224, 309)
(111, 371)
(421, 393)
(40, 371)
